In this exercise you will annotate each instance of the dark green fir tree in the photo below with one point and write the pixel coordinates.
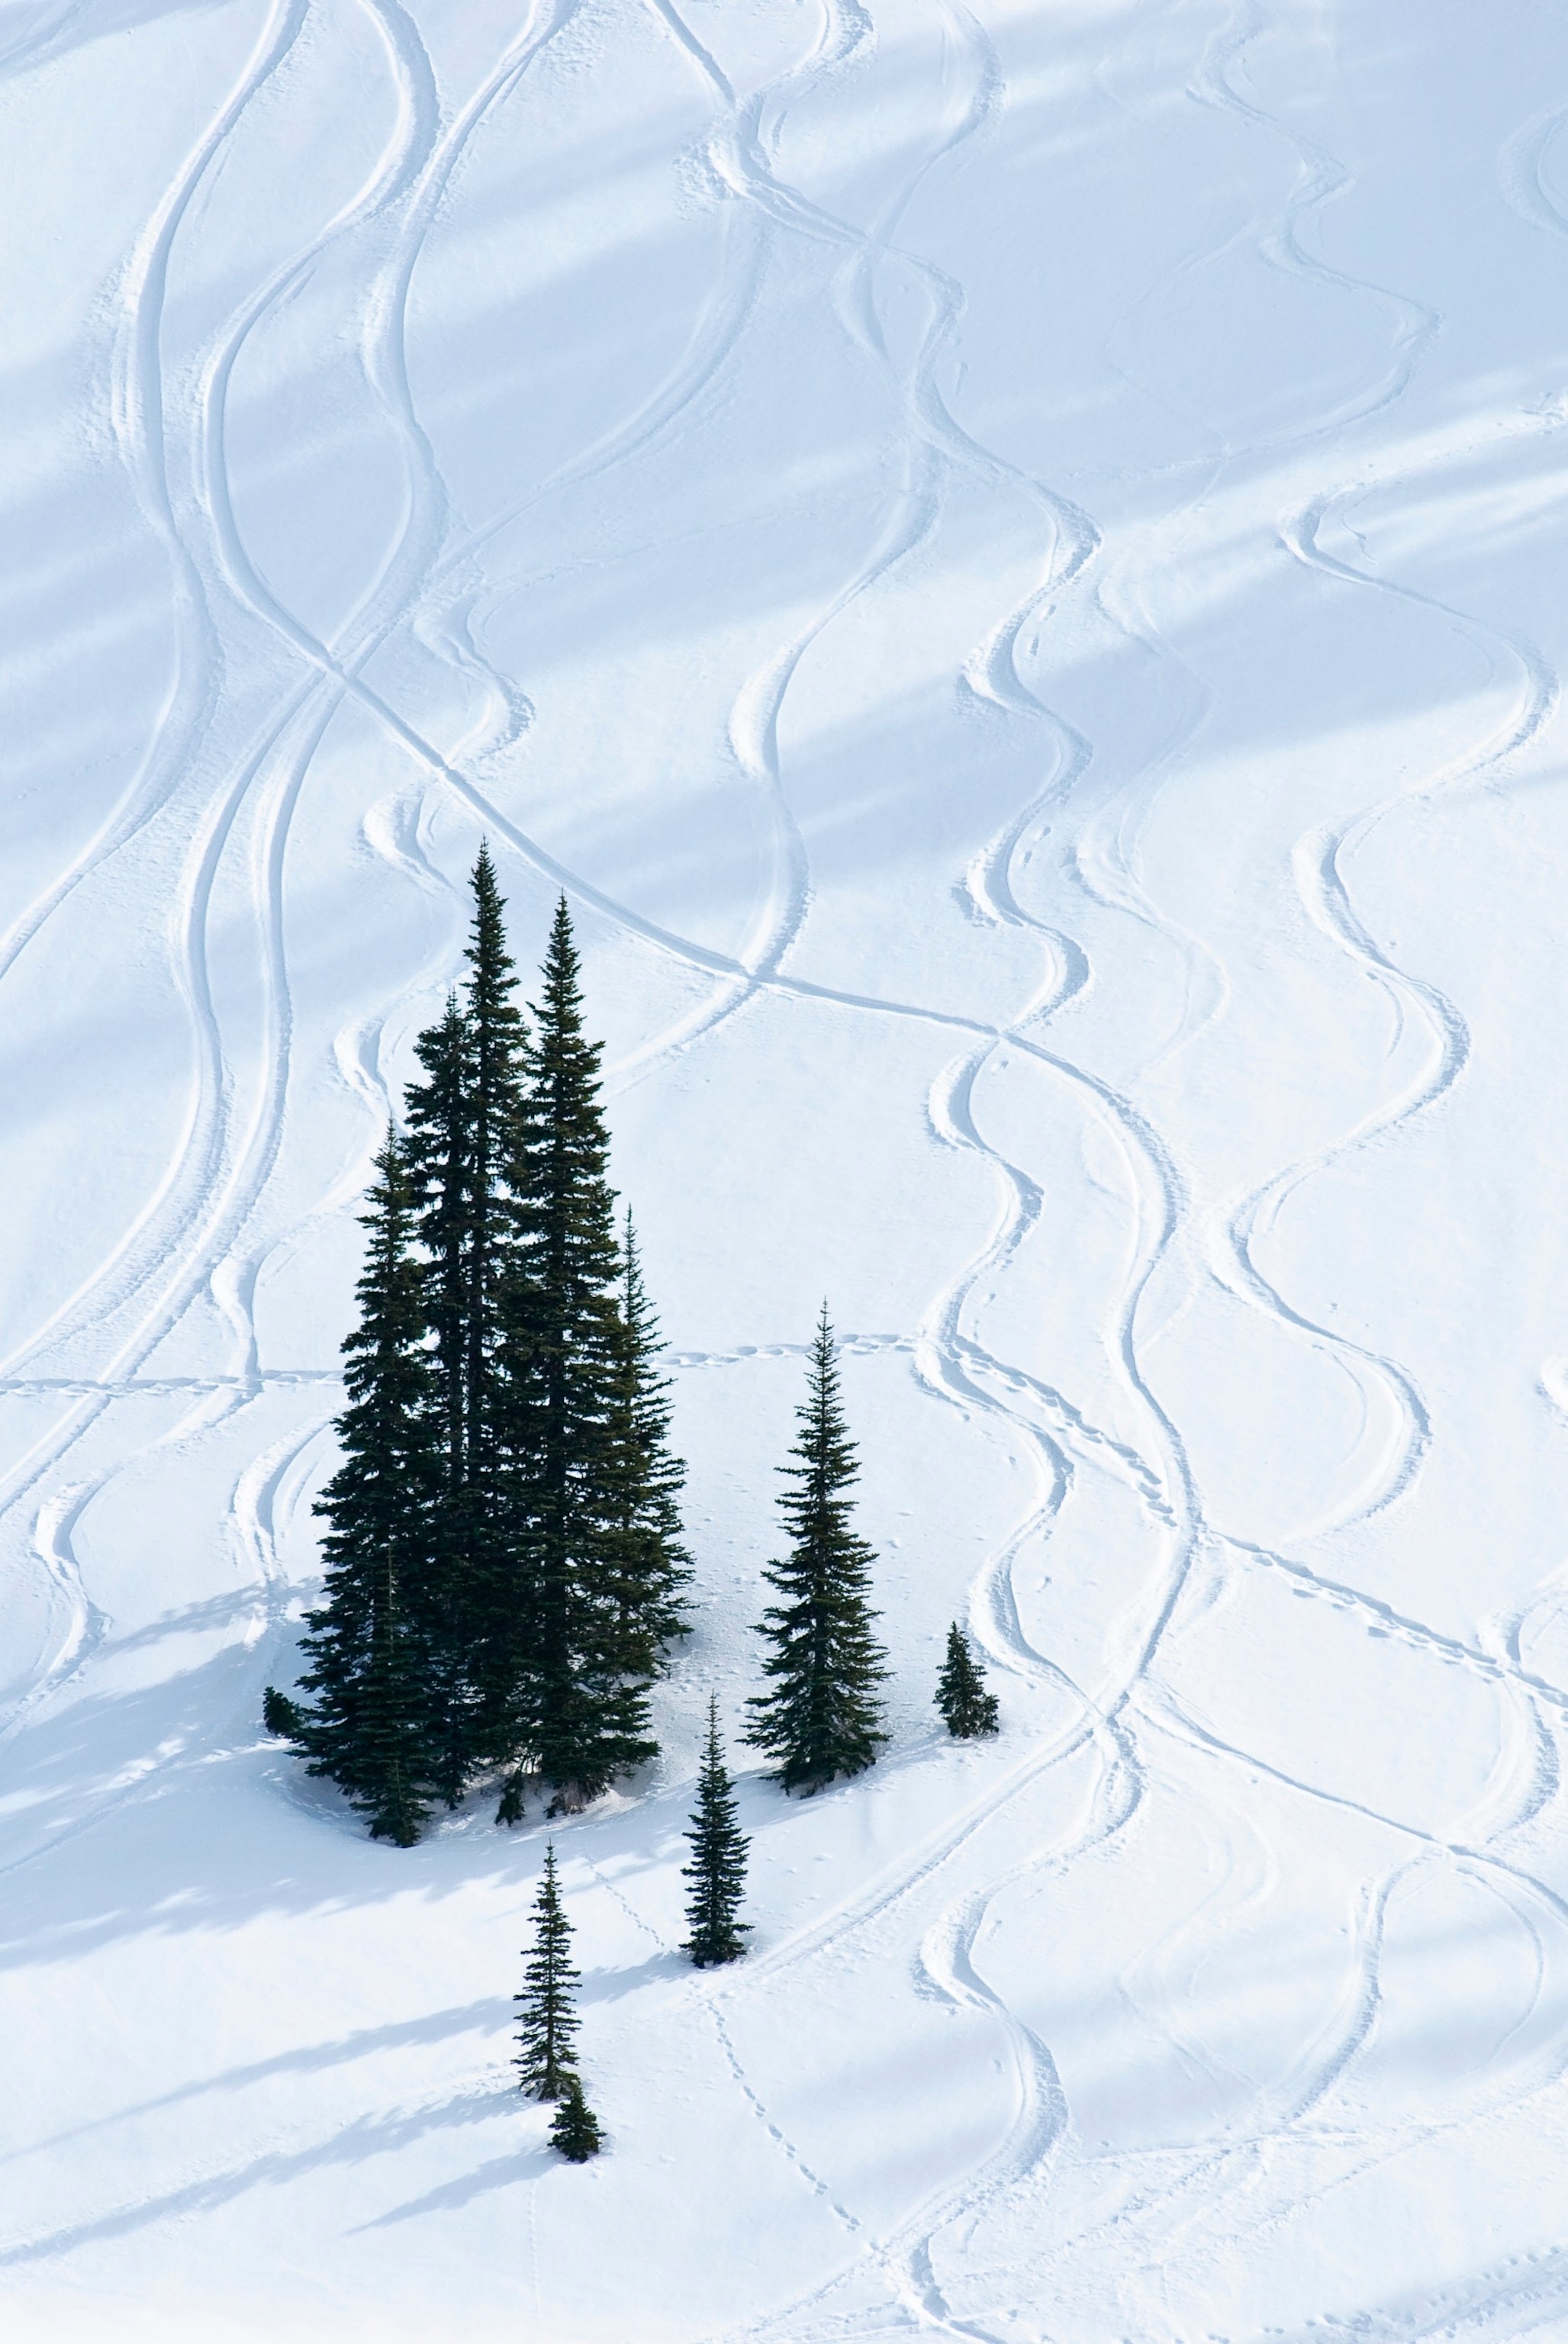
(464, 1121)
(575, 2130)
(437, 1111)
(970, 1711)
(366, 1721)
(547, 2014)
(282, 1715)
(580, 1696)
(717, 1872)
(822, 1716)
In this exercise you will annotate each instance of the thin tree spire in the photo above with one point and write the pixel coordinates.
(582, 1697)
(547, 2015)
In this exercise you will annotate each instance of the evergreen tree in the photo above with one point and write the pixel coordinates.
(491, 1257)
(464, 1122)
(367, 1726)
(717, 1871)
(529, 1574)
(822, 1717)
(547, 2022)
(437, 1113)
(575, 2130)
(281, 1715)
(578, 1702)
(497, 1042)
(969, 1710)
(647, 1567)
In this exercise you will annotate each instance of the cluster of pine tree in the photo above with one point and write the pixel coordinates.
(546, 2057)
(504, 1566)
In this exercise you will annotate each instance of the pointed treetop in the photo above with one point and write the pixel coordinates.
(561, 971)
(561, 1052)
(828, 1453)
(717, 1872)
(547, 2018)
(970, 1711)
(490, 978)
(825, 1355)
(822, 1716)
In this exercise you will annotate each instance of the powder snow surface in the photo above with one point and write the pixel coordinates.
(1009, 558)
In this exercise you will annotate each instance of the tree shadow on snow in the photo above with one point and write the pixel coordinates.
(367, 2137)
(501, 2173)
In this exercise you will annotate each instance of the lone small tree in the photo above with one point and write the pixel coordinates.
(822, 1717)
(969, 1710)
(717, 1871)
(575, 2131)
(547, 2026)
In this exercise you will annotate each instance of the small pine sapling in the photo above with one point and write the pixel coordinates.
(547, 2022)
(575, 2131)
(717, 1871)
(281, 1715)
(970, 1711)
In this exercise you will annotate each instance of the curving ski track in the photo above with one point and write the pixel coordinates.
(226, 774)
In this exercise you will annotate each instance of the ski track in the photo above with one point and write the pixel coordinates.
(210, 1206)
(1168, 1712)
(1322, 856)
(1333, 910)
(944, 1356)
(990, 674)
(209, 1211)
(187, 1234)
(139, 415)
(139, 427)
(1318, 865)
(1320, 862)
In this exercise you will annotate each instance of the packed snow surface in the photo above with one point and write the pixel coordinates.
(1008, 559)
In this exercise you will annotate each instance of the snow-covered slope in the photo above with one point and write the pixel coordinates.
(1008, 557)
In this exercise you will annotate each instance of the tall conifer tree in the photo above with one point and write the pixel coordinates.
(717, 1871)
(464, 1122)
(367, 1724)
(822, 1717)
(535, 1574)
(547, 2015)
(491, 1260)
(582, 1712)
(437, 1150)
(497, 1041)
